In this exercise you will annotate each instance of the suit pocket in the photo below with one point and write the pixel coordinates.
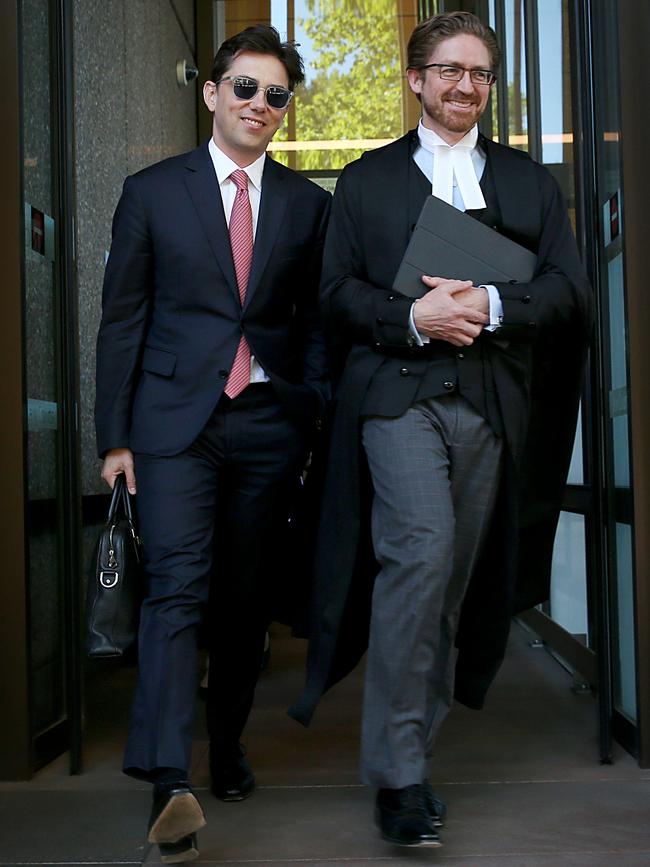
(158, 361)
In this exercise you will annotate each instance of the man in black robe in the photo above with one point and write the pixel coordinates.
(453, 425)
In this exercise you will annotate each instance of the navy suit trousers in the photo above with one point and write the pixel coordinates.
(212, 514)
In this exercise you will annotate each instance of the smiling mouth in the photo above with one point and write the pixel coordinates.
(460, 104)
(252, 122)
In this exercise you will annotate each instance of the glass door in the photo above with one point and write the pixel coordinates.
(49, 362)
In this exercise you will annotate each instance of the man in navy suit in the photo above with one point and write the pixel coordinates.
(211, 377)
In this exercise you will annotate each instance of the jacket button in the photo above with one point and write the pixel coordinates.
(223, 374)
(391, 297)
(526, 299)
(378, 344)
(448, 385)
(319, 424)
(404, 371)
(513, 282)
(461, 355)
(532, 324)
(380, 321)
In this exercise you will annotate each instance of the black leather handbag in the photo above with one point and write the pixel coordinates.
(115, 581)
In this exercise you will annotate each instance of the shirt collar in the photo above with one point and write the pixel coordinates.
(429, 139)
(224, 166)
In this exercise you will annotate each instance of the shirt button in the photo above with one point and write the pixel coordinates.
(448, 385)
(404, 371)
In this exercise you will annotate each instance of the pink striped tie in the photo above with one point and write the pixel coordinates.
(241, 242)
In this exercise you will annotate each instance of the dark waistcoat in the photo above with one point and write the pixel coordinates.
(438, 367)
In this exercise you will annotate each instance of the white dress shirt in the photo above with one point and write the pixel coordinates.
(224, 167)
(424, 159)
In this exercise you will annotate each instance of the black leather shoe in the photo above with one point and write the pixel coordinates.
(175, 813)
(232, 777)
(403, 817)
(185, 849)
(436, 807)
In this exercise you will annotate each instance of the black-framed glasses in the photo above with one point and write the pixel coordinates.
(455, 73)
(245, 88)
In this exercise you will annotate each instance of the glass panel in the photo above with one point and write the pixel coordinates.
(568, 604)
(555, 97)
(614, 339)
(41, 366)
(623, 625)
(352, 97)
(515, 51)
(576, 469)
(618, 369)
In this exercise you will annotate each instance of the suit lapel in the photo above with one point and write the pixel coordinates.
(418, 186)
(203, 188)
(273, 205)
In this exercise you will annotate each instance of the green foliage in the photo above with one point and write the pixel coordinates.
(356, 89)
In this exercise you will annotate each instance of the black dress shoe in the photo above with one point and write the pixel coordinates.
(185, 849)
(403, 817)
(232, 777)
(436, 807)
(175, 813)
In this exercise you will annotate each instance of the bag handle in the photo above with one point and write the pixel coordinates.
(118, 495)
(126, 499)
(121, 496)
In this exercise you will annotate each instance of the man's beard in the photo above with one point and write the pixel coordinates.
(446, 117)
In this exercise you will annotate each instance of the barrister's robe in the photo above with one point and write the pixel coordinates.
(536, 358)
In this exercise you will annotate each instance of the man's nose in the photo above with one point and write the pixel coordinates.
(465, 84)
(259, 100)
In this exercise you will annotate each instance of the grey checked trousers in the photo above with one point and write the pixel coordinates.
(435, 471)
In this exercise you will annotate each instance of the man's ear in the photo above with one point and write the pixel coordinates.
(210, 94)
(415, 80)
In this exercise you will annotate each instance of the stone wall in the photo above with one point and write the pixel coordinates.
(129, 112)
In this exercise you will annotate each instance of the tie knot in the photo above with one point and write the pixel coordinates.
(240, 178)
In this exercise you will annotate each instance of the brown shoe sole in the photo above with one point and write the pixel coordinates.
(182, 816)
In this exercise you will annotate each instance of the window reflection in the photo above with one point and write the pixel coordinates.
(515, 52)
(352, 98)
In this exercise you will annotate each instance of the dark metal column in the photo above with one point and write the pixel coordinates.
(582, 74)
(533, 99)
(69, 510)
(15, 743)
(634, 26)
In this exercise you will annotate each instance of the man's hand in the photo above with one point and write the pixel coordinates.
(119, 461)
(454, 310)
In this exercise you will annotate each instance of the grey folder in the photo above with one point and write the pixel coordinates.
(448, 243)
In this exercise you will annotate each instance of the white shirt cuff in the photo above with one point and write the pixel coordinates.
(496, 307)
(420, 339)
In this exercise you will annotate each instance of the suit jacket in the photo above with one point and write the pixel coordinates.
(535, 361)
(172, 318)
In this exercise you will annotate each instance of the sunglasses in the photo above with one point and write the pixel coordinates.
(246, 88)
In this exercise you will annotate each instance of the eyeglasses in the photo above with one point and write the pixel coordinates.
(246, 88)
(455, 73)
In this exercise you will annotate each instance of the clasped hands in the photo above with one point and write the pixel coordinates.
(452, 310)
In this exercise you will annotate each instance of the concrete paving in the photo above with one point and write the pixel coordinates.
(521, 779)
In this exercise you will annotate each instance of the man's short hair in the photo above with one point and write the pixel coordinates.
(261, 39)
(430, 33)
